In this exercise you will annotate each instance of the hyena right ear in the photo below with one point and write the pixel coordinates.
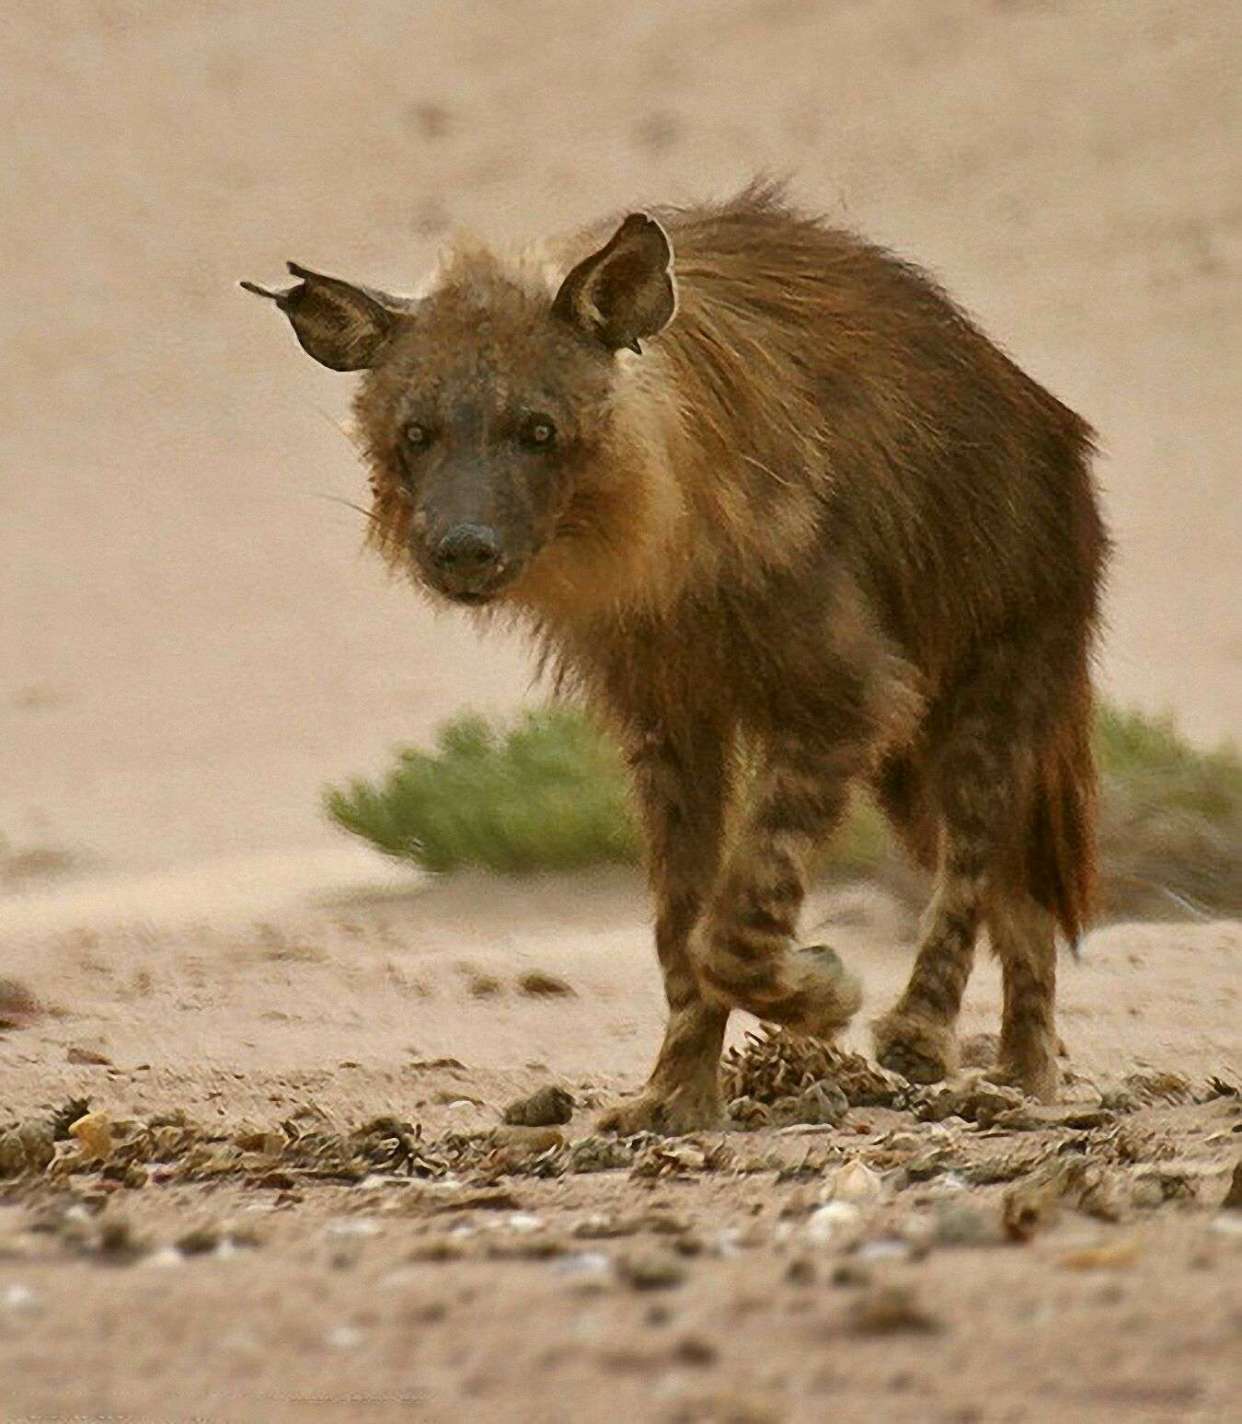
(341, 325)
(625, 290)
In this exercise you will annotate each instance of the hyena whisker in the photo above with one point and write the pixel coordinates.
(368, 514)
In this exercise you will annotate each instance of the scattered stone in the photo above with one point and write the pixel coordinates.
(1120, 1100)
(975, 1100)
(885, 1248)
(1089, 1187)
(800, 1271)
(87, 1056)
(18, 1005)
(835, 1224)
(599, 1154)
(93, 1134)
(540, 985)
(1147, 1193)
(588, 1270)
(437, 1249)
(679, 1157)
(749, 1113)
(267, 1143)
(650, 1270)
(929, 1163)
(1031, 1117)
(694, 1350)
(545, 1107)
(1005, 1166)
(889, 1310)
(855, 1182)
(1027, 1208)
(199, 1241)
(822, 1103)
(1159, 1087)
(600, 1227)
(962, 1223)
(1154, 1186)
(19, 1297)
(28, 1146)
(116, 1241)
(538, 1245)
(1233, 1197)
(1109, 1255)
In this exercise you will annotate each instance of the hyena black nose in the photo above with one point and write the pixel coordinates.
(468, 550)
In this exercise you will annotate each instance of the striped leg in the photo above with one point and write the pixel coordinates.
(1024, 939)
(917, 1037)
(746, 956)
(682, 790)
(970, 785)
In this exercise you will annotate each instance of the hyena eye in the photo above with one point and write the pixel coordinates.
(417, 437)
(539, 432)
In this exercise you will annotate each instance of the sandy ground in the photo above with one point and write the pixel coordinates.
(190, 647)
(508, 1288)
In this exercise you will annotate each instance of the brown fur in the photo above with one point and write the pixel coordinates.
(821, 520)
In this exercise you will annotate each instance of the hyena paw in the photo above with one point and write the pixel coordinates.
(671, 1113)
(818, 995)
(921, 1050)
(1036, 1075)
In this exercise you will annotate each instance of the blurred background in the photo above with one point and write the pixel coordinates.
(192, 643)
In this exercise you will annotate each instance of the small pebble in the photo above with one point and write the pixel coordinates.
(1107, 1256)
(834, 1223)
(889, 1310)
(19, 1297)
(93, 1133)
(694, 1350)
(547, 1107)
(962, 1223)
(650, 1270)
(856, 1182)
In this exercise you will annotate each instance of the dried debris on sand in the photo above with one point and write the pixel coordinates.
(904, 1170)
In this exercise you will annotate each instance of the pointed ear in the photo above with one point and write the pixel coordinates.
(625, 290)
(341, 325)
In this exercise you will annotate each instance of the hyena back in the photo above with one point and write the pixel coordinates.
(761, 491)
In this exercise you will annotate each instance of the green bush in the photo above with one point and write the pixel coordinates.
(1170, 821)
(549, 793)
(545, 794)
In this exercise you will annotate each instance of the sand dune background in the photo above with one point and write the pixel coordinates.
(192, 645)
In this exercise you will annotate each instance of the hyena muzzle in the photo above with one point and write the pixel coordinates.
(790, 523)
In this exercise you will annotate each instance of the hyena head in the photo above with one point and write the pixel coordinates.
(486, 405)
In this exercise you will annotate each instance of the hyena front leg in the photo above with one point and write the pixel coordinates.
(682, 790)
(746, 956)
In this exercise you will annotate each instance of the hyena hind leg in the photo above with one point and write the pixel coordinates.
(918, 1036)
(1024, 940)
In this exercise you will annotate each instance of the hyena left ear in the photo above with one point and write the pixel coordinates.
(625, 290)
(341, 325)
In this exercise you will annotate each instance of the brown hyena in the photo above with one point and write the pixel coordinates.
(766, 497)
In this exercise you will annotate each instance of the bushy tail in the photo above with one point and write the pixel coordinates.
(1060, 839)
